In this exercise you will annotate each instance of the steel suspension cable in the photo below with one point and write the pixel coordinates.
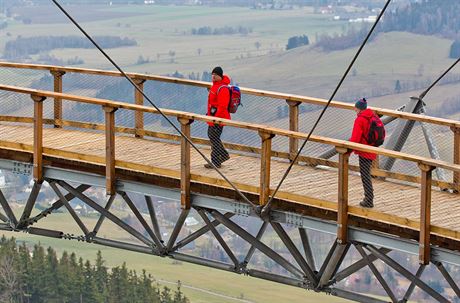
(266, 208)
(422, 95)
(150, 101)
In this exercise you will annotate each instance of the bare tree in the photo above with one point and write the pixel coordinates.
(9, 278)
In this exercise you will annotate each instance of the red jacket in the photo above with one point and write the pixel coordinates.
(219, 102)
(360, 131)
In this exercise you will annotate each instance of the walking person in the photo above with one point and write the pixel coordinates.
(218, 100)
(360, 135)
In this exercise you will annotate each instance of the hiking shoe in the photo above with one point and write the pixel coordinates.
(366, 204)
(209, 166)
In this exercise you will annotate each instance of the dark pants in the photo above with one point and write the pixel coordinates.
(218, 152)
(365, 170)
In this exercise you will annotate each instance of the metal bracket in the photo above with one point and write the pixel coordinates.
(22, 168)
(294, 220)
(242, 209)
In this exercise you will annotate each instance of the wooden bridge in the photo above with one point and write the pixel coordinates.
(413, 207)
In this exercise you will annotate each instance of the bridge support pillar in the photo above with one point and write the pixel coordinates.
(265, 160)
(138, 115)
(294, 126)
(57, 75)
(110, 149)
(456, 160)
(425, 214)
(185, 164)
(342, 207)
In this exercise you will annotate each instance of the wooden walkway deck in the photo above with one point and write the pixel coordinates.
(395, 204)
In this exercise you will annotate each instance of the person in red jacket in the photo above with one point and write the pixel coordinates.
(218, 99)
(359, 135)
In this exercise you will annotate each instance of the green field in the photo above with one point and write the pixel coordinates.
(208, 280)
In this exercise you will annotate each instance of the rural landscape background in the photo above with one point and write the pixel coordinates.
(296, 47)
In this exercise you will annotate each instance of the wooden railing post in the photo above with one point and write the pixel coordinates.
(294, 126)
(425, 214)
(456, 160)
(342, 207)
(265, 160)
(38, 137)
(57, 75)
(185, 164)
(139, 115)
(110, 149)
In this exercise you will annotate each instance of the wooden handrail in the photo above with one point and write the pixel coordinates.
(244, 125)
(250, 91)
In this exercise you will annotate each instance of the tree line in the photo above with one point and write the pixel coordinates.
(226, 30)
(39, 276)
(23, 47)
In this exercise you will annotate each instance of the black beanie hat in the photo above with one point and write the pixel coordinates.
(218, 71)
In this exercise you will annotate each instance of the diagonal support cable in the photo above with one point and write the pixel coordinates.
(153, 104)
(266, 208)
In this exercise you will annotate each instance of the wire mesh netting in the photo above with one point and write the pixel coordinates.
(427, 140)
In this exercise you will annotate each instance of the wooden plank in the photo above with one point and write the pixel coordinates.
(294, 126)
(139, 115)
(456, 160)
(265, 161)
(110, 150)
(57, 77)
(38, 138)
(185, 164)
(425, 215)
(342, 209)
(244, 125)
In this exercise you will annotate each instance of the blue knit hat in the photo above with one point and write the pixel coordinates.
(361, 104)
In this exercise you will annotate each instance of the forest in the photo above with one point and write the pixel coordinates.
(37, 275)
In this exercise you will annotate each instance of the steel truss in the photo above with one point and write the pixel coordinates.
(296, 267)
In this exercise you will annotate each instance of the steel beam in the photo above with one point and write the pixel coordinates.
(259, 245)
(354, 296)
(332, 265)
(357, 266)
(108, 214)
(4, 218)
(153, 217)
(399, 136)
(29, 204)
(9, 213)
(203, 262)
(251, 250)
(102, 217)
(219, 238)
(141, 219)
(294, 252)
(180, 222)
(448, 278)
(307, 248)
(376, 273)
(393, 264)
(411, 287)
(55, 206)
(69, 209)
(124, 245)
(275, 278)
(197, 234)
